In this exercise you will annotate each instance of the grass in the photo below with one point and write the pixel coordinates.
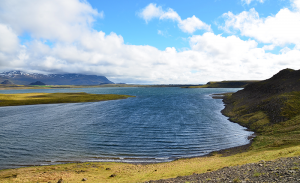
(50, 98)
(96, 172)
(273, 141)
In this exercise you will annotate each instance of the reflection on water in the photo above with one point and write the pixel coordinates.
(160, 124)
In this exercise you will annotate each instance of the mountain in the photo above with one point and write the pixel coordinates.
(23, 78)
(266, 102)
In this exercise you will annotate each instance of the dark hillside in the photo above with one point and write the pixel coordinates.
(276, 97)
(37, 83)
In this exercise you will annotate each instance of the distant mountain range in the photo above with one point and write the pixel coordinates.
(23, 78)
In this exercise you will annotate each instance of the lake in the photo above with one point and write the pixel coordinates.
(158, 125)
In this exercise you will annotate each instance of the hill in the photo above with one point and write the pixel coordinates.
(225, 84)
(37, 83)
(270, 107)
(6, 82)
(276, 97)
(23, 78)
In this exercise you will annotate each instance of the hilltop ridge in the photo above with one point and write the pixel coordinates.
(268, 102)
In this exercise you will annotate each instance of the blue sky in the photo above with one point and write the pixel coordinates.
(122, 18)
(159, 41)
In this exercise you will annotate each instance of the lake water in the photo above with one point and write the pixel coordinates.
(158, 125)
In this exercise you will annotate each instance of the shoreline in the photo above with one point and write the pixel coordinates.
(223, 152)
(227, 151)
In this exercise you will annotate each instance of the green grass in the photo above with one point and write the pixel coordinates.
(50, 98)
(271, 134)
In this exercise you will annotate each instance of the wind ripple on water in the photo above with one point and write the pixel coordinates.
(160, 124)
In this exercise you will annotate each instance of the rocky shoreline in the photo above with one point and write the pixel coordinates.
(281, 170)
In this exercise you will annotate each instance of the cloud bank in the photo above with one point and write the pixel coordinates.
(77, 48)
(280, 29)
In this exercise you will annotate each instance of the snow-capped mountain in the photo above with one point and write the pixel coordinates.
(23, 78)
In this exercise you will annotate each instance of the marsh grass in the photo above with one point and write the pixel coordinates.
(51, 98)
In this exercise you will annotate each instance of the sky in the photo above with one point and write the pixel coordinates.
(151, 42)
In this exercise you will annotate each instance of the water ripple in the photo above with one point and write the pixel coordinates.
(160, 124)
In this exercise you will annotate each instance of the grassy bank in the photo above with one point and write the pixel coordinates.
(51, 98)
(121, 172)
(257, 118)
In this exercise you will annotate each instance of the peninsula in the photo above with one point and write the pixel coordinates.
(52, 98)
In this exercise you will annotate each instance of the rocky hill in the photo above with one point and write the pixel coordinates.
(266, 102)
(23, 78)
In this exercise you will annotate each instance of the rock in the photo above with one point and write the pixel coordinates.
(107, 169)
(60, 181)
(112, 175)
(84, 179)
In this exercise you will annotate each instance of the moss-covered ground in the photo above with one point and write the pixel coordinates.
(51, 98)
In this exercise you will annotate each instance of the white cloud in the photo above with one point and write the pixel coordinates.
(249, 1)
(150, 12)
(280, 29)
(188, 25)
(9, 40)
(88, 51)
(61, 20)
(222, 47)
(170, 14)
(268, 47)
(296, 4)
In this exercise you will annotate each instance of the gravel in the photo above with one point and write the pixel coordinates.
(281, 170)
